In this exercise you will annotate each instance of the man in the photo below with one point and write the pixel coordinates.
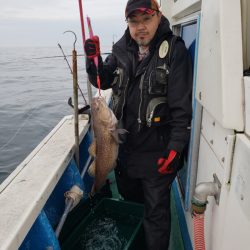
(150, 73)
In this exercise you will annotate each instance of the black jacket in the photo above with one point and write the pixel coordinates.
(135, 85)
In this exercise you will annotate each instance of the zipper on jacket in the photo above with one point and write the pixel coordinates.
(149, 85)
(139, 112)
(125, 90)
(151, 114)
(120, 74)
(149, 122)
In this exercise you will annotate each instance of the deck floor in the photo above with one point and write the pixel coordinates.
(176, 242)
(84, 208)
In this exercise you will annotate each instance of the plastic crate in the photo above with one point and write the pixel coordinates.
(128, 225)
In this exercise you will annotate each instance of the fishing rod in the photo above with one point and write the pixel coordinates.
(91, 34)
(90, 96)
(82, 23)
(83, 42)
(65, 58)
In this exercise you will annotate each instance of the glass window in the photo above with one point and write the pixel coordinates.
(187, 175)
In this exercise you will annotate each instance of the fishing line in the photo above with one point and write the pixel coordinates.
(18, 130)
(65, 58)
(48, 57)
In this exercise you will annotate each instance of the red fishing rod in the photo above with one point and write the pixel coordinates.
(83, 42)
(84, 39)
(91, 34)
(82, 22)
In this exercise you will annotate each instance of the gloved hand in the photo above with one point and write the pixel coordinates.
(169, 163)
(92, 47)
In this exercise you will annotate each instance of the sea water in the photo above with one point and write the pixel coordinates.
(35, 84)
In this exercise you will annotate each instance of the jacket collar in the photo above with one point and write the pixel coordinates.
(126, 48)
(126, 43)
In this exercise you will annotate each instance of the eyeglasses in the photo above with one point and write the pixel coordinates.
(146, 20)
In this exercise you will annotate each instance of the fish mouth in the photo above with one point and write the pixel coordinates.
(98, 99)
(96, 102)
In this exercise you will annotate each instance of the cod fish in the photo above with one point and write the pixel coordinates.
(104, 147)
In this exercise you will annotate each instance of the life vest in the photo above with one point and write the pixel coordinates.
(153, 108)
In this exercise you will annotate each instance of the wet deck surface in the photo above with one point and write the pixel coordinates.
(176, 242)
(69, 236)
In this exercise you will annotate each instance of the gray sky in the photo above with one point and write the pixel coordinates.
(42, 22)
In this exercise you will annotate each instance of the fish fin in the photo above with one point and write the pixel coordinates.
(92, 148)
(114, 135)
(92, 169)
(122, 131)
(118, 135)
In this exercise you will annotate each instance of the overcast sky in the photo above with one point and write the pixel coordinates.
(42, 22)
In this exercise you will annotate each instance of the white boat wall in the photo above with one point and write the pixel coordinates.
(33, 194)
(217, 34)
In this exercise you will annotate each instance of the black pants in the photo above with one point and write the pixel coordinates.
(154, 192)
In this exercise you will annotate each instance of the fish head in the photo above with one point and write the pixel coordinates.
(101, 112)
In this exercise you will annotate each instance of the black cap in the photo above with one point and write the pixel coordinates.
(133, 5)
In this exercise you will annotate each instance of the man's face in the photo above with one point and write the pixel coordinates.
(142, 26)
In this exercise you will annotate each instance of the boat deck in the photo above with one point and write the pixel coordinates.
(70, 233)
(26, 190)
(176, 242)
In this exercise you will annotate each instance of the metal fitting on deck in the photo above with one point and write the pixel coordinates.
(202, 191)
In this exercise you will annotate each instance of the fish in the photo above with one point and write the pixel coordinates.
(105, 145)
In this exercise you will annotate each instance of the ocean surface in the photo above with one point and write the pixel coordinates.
(35, 84)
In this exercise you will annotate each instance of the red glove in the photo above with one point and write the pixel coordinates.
(170, 163)
(92, 47)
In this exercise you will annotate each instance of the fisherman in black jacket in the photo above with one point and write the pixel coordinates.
(150, 73)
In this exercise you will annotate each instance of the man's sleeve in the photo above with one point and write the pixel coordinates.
(106, 71)
(180, 97)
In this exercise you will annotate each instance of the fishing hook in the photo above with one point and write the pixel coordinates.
(74, 44)
(82, 110)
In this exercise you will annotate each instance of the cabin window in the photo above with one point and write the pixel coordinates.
(187, 175)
